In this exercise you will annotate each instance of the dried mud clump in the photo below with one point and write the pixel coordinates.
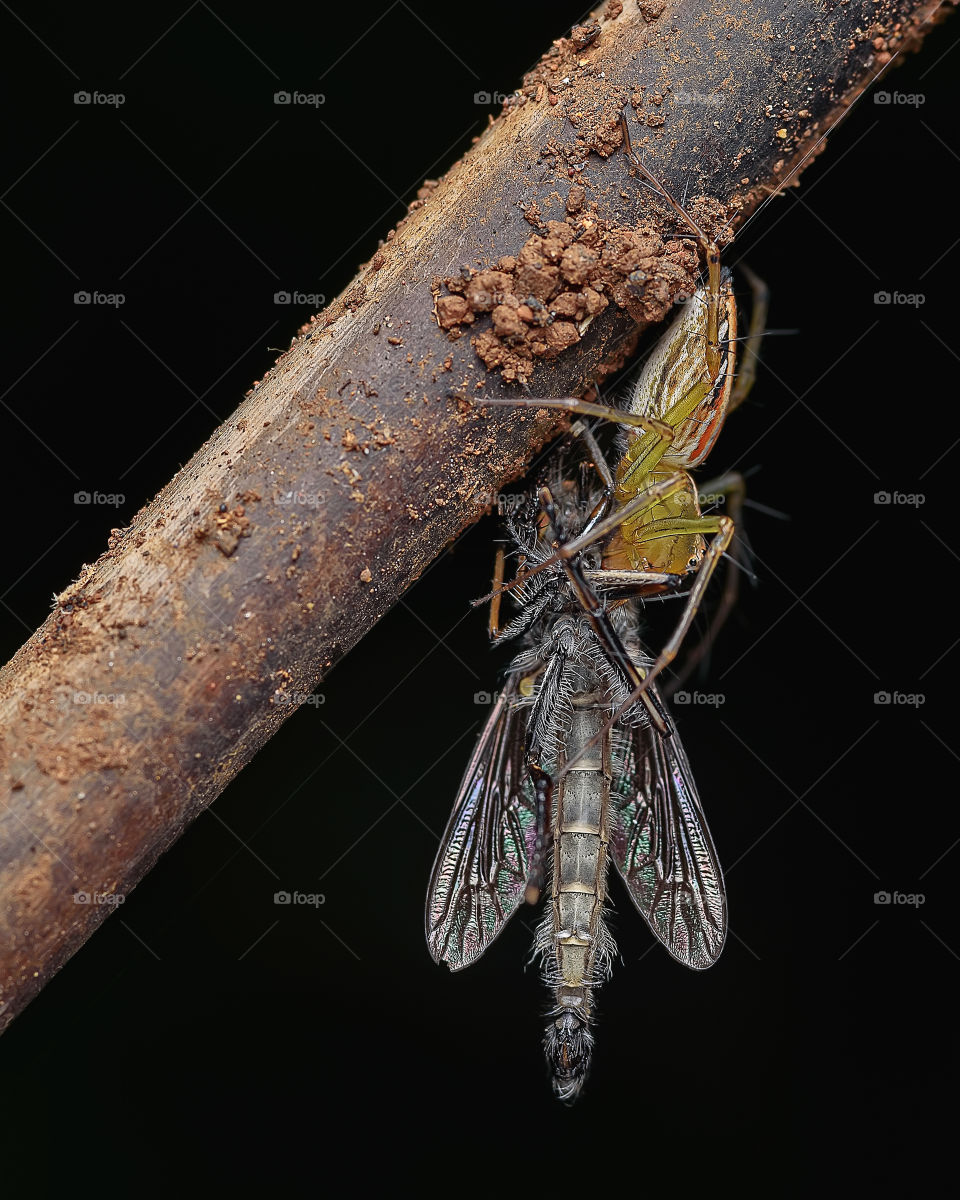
(536, 304)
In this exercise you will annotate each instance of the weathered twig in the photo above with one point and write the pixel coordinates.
(361, 454)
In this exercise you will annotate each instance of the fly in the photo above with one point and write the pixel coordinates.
(569, 775)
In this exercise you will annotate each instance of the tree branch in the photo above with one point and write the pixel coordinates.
(174, 657)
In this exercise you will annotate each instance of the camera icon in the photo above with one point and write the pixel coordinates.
(82, 498)
(882, 898)
(681, 697)
(81, 897)
(881, 697)
(81, 97)
(482, 698)
(881, 97)
(281, 97)
(281, 897)
(282, 298)
(82, 298)
(882, 298)
(882, 498)
(482, 98)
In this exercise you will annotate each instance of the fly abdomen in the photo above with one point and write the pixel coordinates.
(573, 939)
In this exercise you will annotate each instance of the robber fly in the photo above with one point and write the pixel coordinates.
(521, 823)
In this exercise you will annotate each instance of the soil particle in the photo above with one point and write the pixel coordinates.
(507, 323)
(355, 297)
(575, 200)
(487, 289)
(452, 311)
(579, 264)
(651, 9)
(585, 35)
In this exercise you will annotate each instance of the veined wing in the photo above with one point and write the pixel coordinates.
(662, 847)
(480, 873)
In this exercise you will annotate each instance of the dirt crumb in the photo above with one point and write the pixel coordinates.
(575, 199)
(586, 34)
(651, 9)
(453, 310)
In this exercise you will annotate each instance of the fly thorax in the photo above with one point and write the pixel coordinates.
(567, 636)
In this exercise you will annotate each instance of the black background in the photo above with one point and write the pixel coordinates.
(206, 1033)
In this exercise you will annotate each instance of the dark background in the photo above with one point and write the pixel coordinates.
(205, 1031)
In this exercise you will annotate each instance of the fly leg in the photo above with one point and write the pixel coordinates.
(580, 430)
(493, 624)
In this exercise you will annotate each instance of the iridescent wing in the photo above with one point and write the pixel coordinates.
(480, 873)
(662, 847)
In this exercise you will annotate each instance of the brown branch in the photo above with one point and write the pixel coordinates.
(351, 465)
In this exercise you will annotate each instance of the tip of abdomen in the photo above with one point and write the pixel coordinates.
(568, 1043)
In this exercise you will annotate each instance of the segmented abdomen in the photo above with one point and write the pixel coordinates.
(573, 939)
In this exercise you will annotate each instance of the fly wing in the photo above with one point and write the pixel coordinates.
(480, 872)
(663, 849)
